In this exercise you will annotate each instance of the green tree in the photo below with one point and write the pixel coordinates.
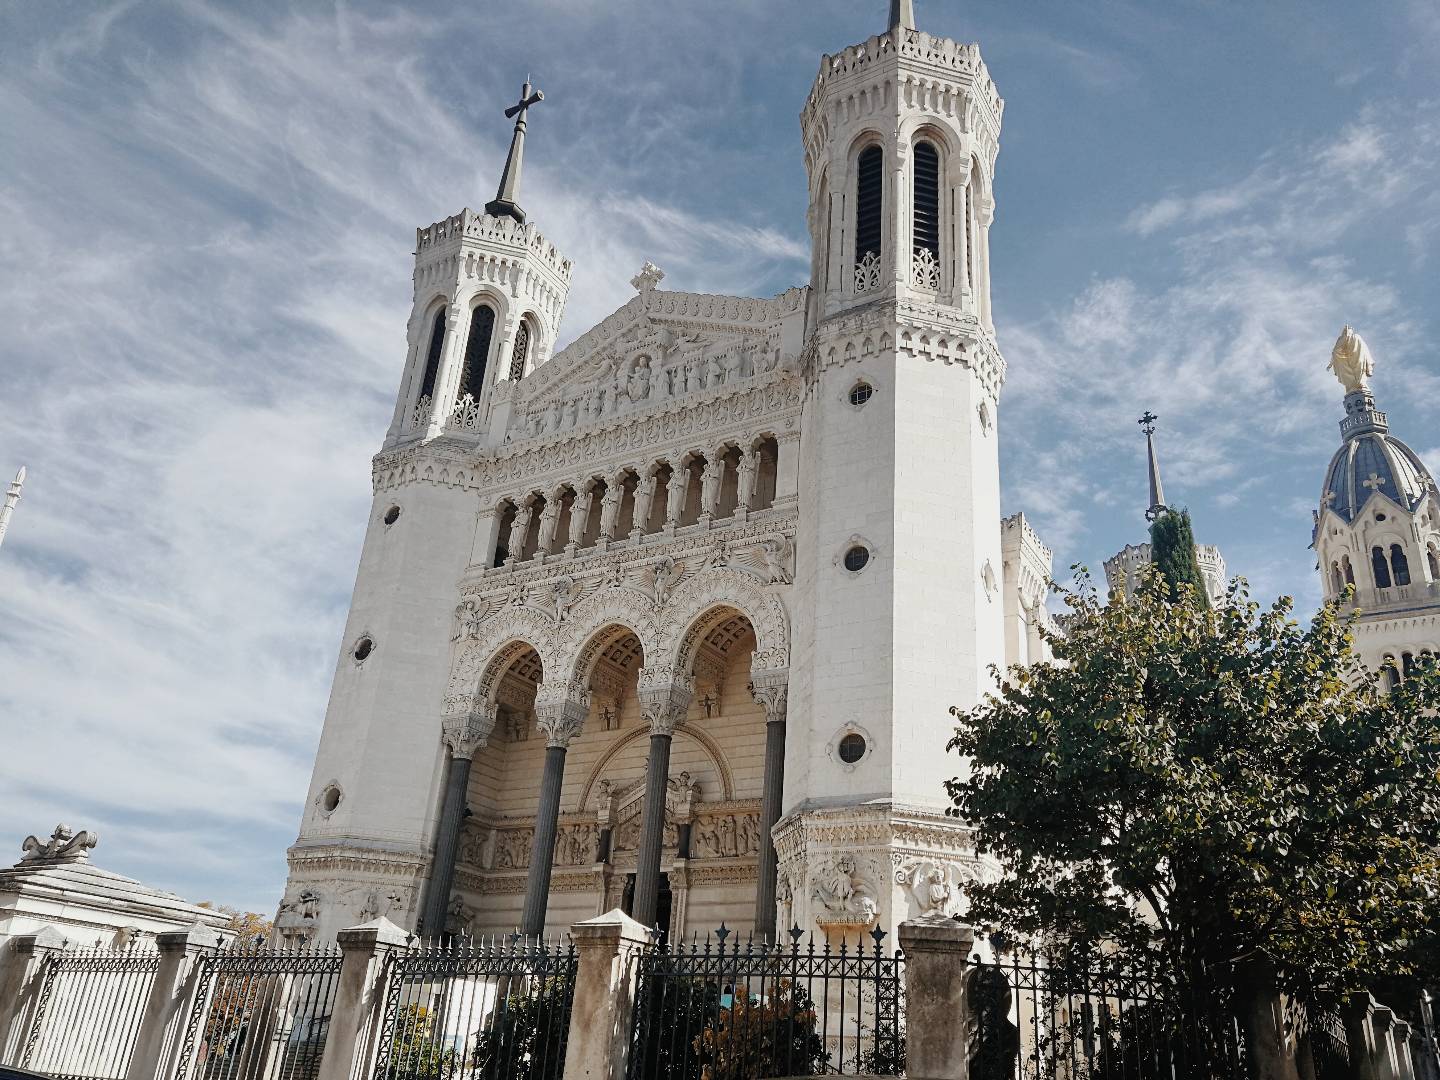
(525, 1039)
(1172, 553)
(1222, 787)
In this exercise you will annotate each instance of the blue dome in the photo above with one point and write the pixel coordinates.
(1371, 460)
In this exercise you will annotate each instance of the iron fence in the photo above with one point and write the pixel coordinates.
(1039, 1017)
(482, 1009)
(88, 1012)
(727, 1010)
(260, 1013)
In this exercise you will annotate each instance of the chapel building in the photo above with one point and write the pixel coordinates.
(671, 619)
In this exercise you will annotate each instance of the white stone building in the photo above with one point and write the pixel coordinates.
(1378, 526)
(671, 619)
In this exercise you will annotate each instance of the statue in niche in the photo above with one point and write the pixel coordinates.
(937, 894)
(727, 836)
(710, 483)
(659, 383)
(644, 496)
(694, 376)
(640, 380)
(745, 478)
(621, 393)
(706, 839)
(747, 834)
(552, 418)
(714, 373)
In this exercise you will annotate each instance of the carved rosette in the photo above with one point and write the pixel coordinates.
(463, 736)
(663, 704)
(560, 711)
(771, 690)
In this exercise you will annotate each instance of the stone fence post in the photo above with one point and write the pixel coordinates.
(21, 975)
(1375, 1037)
(172, 997)
(936, 1003)
(360, 997)
(604, 1005)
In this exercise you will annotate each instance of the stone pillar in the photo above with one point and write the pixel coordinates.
(172, 997)
(1369, 1031)
(487, 535)
(787, 469)
(447, 375)
(20, 982)
(663, 707)
(605, 984)
(936, 1008)
(770, 689)
(462, 739)
(561, 716)
(359, 998)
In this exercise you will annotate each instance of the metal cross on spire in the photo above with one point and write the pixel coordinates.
(902, 14)
(505, 203)
(1157, 491)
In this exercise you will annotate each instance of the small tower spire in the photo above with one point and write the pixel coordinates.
(1157, 490)
(902, 14)
(505, 203)
(11, 498)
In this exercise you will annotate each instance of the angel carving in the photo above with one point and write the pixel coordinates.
(565, 593)
(776, 554)
(468, 617)
(665, 576)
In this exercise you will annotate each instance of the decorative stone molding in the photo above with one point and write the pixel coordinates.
(64, 846)
(844, 894)
(663, 704)
(771, 689)
(560, 711)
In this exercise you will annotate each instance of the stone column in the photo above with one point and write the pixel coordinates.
(20, 981)
(936, 1005)
(663, 707)
(560, 716)
(1368, 1031)
(770, 689)
(487, 535)
(359, 998)
(605, 984)
(787, 469)
(447, 375)
(462, 738)
(172, 996)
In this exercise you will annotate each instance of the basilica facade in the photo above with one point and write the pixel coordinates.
(671, 619)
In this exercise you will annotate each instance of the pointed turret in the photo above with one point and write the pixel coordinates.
(1157, 490)
(902, 14)
(506, 202)
(11, 498)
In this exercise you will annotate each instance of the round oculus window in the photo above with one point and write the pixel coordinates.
(860, 393)
(330, 798)
(851, 748)
(363, 648)
(392, 515)
(856, 558)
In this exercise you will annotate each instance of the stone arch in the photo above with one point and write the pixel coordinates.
(688, 618)
(477, 669)
(589, 617)
(703, 739)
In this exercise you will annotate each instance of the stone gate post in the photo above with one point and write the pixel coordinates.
(21, 976)
(604, 1005)
(1368, 1031)
(172, 996)
(360, 997)
(935, 949)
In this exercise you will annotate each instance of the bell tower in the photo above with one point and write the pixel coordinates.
(898, 592)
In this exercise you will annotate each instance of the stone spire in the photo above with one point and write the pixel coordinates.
(505, 203)
(11, 498)
(1157, 490)
(902, 14)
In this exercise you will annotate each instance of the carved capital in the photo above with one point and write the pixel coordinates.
(463, 735)
(560, 711)
(771, 689)
(663, 704)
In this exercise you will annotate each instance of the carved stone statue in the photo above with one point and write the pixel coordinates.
(714, 372)
(745, 478)
(572, 413)
(659, 383)
(937, 893)
(644, 495)
(1351, 361)
(665, 576)
(565, 592)
(640, 380)
(64, 845)
(457, 917)
(468, 616)
(710, 484)
(776, 554)
(552, 417)
(844, 898)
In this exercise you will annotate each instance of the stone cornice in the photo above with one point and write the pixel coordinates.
(343, 858)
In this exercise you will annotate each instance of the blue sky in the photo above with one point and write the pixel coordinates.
(206, 215)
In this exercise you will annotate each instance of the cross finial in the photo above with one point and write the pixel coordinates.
(505, 203)
(902, 14)
(1157, 490)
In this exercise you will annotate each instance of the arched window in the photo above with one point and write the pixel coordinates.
(869, 209)
(1434, 561)
(1407, 661)
(1337, 577)
(1380, 567)
(477, 351)
(1349, 570)
(521, 352)
(1390, 673)
(1399, 564)
(432, 358)
(925, 225)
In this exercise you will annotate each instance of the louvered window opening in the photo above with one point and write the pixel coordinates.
(477, 351)
(869, 193)
(520, 352)
(432, 359)
(926, 228)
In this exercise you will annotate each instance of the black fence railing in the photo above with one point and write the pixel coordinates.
(732, 1010)
(260, 1013)
(1037, 1017)
(484, 1009)
(88, 1013)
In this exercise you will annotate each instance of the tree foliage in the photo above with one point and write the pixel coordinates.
(1172, 553)
(526, 1039)
(1223, 786)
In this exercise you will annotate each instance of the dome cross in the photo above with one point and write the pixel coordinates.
(506, 201)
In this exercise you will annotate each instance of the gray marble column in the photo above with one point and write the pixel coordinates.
(560, 717)
(463, 738)
(663, 708)
(770, 690)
